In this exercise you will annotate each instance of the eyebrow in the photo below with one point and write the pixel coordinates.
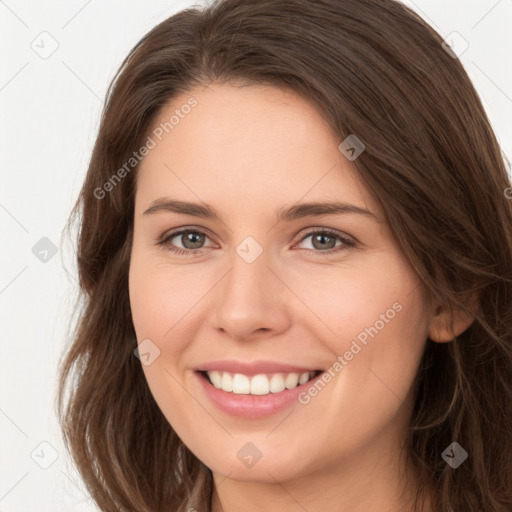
(295, 212)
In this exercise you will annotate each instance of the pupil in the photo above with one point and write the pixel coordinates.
(322, 238)
(189, 239)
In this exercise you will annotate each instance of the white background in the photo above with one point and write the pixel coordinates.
(50, 114)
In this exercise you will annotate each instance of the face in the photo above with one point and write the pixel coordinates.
(308, 319)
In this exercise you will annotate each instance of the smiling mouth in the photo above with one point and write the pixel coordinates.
(261, 384)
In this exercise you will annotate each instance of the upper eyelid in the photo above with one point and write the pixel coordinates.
(179, 231)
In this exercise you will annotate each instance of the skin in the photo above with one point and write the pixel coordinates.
(250, 152)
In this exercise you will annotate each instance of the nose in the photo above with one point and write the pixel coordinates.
(251, 300)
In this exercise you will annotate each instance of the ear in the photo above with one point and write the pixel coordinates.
(448, 323)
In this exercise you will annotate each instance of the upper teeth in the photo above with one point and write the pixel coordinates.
(258, 384)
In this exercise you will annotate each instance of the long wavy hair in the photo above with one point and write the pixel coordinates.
(372, 68)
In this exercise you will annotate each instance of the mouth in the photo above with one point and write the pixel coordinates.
(259, 384)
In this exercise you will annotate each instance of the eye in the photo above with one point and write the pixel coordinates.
(191, 240)
(324, 240)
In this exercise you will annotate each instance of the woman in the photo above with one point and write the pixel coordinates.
(295, 252)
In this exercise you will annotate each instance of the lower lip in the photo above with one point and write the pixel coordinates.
(252, 406)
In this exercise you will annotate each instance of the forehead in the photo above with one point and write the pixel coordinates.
(252, 144)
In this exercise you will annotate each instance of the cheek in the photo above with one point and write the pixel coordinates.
(163, 300)
(160, 302)
(347, 301)
(164, 303)
(375, 321)
(377, 325)
(391, 331)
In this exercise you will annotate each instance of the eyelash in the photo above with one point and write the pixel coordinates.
(164, 241)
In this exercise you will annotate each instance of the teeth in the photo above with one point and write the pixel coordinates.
(216, 378)
(277, 383)
(304, 378)
(241, 384)
(227, 382)
(291, 381)
(258, 384)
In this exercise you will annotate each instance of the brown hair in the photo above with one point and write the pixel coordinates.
(372, 68)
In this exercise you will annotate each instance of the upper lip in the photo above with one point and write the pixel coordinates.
(254, 367)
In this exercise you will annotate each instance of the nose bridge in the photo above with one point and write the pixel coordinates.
(250, 295)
